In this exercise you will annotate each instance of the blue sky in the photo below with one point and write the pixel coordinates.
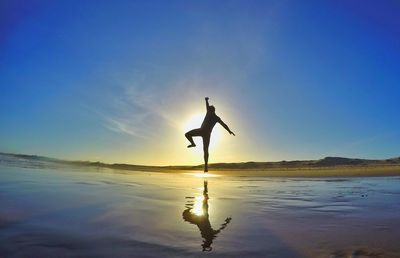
(115, 81)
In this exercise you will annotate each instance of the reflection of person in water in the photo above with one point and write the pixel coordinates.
(197, 213)
(205, 131)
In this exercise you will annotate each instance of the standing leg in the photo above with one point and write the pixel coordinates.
(189, 135)
(206, 143)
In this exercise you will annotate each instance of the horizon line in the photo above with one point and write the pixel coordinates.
(161, 166)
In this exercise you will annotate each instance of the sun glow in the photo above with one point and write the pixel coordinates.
(198, 209)
(203, 175)
(195, 122)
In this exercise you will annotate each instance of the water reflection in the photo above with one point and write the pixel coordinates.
(196, 213)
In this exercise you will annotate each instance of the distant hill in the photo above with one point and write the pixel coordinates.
(327, 162)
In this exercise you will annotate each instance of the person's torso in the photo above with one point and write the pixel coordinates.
(209, 121)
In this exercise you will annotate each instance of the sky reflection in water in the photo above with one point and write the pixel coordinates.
(196, 213)
(108, 213)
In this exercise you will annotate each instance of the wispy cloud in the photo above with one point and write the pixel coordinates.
(141, 105)
(124, 127)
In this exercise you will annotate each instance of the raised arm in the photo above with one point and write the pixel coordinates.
(207, 105)
(225, 126)
(223, 225)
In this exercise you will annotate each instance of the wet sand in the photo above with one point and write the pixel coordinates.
(50, 212)
(335, 171)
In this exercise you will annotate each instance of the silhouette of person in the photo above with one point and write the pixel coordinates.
(205, 131)
(201, 220)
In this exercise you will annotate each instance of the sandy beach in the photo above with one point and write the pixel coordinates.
(64, 212)
(339, 171)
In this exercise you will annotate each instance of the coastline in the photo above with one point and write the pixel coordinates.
(327, 167)
(339, 171)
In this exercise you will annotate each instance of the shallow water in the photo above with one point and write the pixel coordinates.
(50, 212)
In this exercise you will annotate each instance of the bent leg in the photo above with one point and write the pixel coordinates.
(206, 143)
(189, 135)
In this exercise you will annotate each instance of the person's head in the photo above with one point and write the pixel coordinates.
(212, 109)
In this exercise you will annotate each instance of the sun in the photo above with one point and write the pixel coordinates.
(194, 122)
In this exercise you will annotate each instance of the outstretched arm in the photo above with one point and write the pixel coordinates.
(226, 127)
(207, 105)
(223, 225)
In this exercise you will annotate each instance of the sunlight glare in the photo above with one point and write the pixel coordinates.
(198, 206)
(202, 175)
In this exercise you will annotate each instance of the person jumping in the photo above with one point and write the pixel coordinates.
(205, 131)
